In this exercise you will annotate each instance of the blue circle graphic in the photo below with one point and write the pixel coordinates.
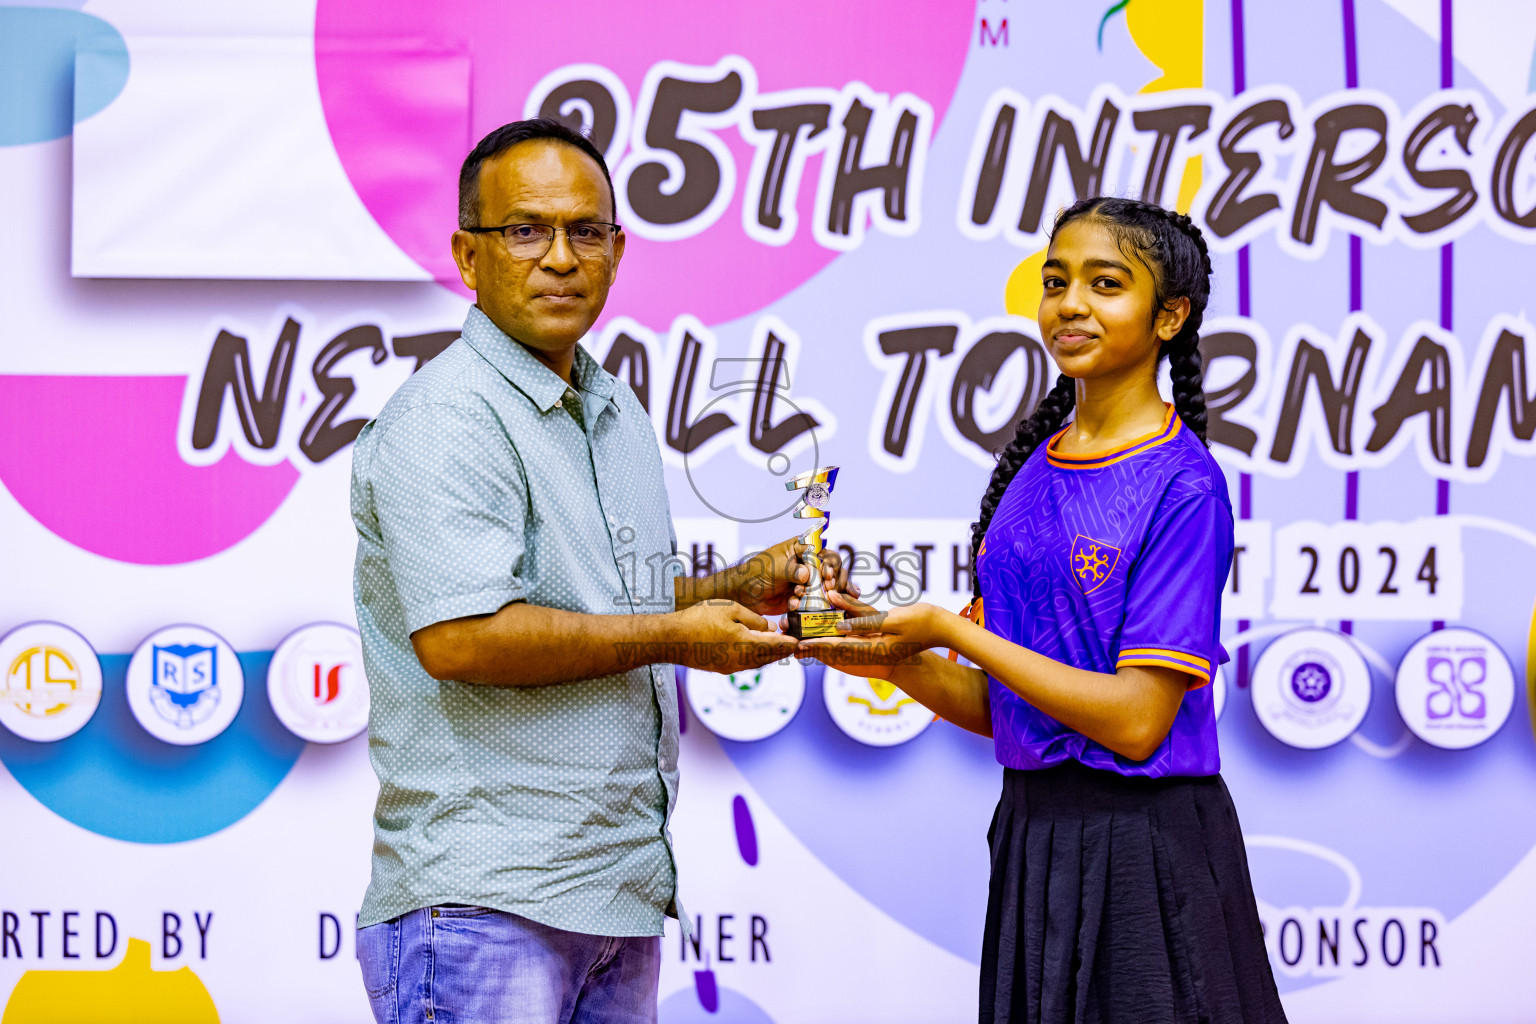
(116, 780)
(57, 67)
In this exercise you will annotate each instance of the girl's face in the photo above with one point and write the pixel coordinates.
(1096, 312)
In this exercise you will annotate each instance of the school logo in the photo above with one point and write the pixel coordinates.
(1093, 562)
(51, 682)
(747, 706)
(1311, 681)
(1311, 688)
(185, 685)
(316, 683)
(1455, 688)
(872, 711)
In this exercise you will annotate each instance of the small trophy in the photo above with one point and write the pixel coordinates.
(816, 616)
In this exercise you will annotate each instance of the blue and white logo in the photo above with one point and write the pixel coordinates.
(185, 685)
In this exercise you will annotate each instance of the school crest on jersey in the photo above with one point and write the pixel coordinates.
(1093, 562)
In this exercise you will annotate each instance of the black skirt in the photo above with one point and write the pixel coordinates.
(1118, 900)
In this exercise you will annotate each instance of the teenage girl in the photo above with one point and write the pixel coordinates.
(1119, 888)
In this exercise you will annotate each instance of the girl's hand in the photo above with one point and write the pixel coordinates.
(874, 642)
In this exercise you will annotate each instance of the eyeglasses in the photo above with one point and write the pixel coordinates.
(588, 239)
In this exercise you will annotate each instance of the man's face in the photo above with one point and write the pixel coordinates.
(548, 303)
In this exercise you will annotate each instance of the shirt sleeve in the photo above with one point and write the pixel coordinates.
(451, 501)
(1173, 601)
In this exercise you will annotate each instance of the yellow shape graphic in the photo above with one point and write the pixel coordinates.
(130, 993)
(1021, 296)
(883, 689)
(1170, 34)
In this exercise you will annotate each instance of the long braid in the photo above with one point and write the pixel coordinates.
(1047, 418)
(1172, 245)
(1185, 364)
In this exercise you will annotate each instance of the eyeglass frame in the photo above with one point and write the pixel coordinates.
(554, 229)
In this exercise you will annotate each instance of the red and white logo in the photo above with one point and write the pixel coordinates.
(316, 683)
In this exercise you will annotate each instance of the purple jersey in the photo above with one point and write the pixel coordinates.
(1110, 559)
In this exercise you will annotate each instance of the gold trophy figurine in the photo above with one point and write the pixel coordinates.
(816, 616)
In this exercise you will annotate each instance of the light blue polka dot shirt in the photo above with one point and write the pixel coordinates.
(487, 480)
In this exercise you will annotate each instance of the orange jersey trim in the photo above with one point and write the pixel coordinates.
(1097, 460)
(1162, 657)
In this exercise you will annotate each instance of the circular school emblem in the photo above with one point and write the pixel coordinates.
(50, 681)
(1311, 688)
(872, 711)
(316, 683)
(746, 706)
(1455, 688)
(185, 685)
(1311, 681)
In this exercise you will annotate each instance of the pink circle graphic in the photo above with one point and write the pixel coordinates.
(94, 460)
(392, 77)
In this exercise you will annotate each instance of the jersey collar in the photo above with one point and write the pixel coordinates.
(1097, 460)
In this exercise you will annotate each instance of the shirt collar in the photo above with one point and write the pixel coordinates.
(526, 373)
(1172, 424)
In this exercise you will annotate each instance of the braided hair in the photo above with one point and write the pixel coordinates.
(1172, 246)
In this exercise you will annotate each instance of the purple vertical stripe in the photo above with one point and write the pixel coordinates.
(1351, 63)
(1447, 251)
(1447, 281)
(1356, 302)
(682, 702)
(1239, 56)
(1447, 62)
(1244, 295)
(1356, 275)
(746, 831)
(1244, 308)
(1356, 269)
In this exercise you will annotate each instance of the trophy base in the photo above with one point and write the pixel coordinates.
(807, 625)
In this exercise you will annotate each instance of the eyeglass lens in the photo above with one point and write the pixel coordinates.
(534, 240)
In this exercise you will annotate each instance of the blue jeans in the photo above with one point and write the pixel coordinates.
(470, 965)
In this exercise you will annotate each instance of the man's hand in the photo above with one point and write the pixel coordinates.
(773, 581)
(724, 637)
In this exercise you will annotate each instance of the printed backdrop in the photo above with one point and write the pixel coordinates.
(226, 242)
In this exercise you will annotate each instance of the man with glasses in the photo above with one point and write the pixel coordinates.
(520, 608)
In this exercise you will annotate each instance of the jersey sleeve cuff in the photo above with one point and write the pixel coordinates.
(1164, 657)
